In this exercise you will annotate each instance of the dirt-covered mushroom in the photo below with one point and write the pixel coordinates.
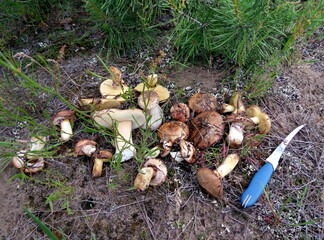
(236, 131)
(98, 104)
(122, 122)
(154, 173)
(34, 165)
(149, 102)
(187, 152)
(180, 112)
(259, 118)
(235, 105)
(151, 85)
(85, 147)
(207, 128)
(211, 181)
(202, 102)
(115, 87)
(170, 133)
(64, 119)
(99, 157)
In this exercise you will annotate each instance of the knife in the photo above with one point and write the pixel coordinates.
(262, 177)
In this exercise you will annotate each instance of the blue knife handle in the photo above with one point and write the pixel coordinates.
(256, 186)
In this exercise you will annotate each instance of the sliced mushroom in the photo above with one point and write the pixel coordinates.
(151, 85)
(211, 181)
(180, 112)
(122, 122)
(202, 102)
(170, 133)
(115, 87)
(153, 173)
(99, 157)
(64, 119)
(149, 102)
(207, 129)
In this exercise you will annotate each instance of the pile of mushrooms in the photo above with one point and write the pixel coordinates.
(194, 127)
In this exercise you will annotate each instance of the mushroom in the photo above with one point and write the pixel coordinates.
(211, 181)
(37, 143)
(64, 119)
(122, 122)
(98, 103)
(99, 157)
(85, 147)
(153, 173)
(170, 133)
(31, 166)
(236, 132)
(207, 129)
(235, 105)
(202, 102)
(149, 102)
(187, 152)
(113, 88)
(180, 112)
(151, 85)
(260, 118)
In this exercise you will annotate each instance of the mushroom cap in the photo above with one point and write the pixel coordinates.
(264, 125)
(107, 117)
(82, 143)
(110, 91)
(207, 129)
(98, 103)
(180, 112)
(240, 118)
(160, 171)
(18, 162)
(103, 155)
(148, 100)
(163, 92)
(210, 182)
(173, 131)
(63, 115)
(202, 102)
(34, 167)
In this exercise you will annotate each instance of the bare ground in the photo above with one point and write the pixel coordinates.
(179, 209)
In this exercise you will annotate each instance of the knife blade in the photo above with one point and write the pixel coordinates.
(263, 175)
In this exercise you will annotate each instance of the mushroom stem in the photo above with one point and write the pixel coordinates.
(143, 178)
(227, 108)
(36, 145)
(124, 143)
(255, 120)
(66, 130)
(99, 157)
(235, 135)
(228, 165)
(151, 80)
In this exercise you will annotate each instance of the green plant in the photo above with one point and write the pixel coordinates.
(41, 225)
(128, 25)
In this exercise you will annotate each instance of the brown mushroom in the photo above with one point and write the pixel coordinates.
(236, 131)
(153, 173)
(187, 152)
(122, 122)
(85, 147)
(99, 157)
(115, 87)
(211, 181)
(149, 102)
(202, 102)
(260, 118)
(151, 85)
(207, 129)
(64, 119)
(180, 112)
(20, 161)
(170, 133)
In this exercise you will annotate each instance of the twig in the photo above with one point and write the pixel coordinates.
(147, 220)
